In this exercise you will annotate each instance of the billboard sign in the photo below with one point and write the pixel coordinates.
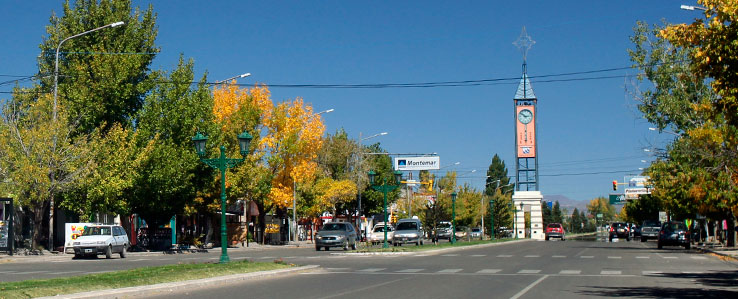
(617, 199)
(417, 163)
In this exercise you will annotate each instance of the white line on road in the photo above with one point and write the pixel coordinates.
(643, 257)
(337, 269)
(489, 271)
(570, 272)
(669, 257)
(451, 254)
(529, 271)
(504, 255)
(651, 272)
(266, 257)
(450, 271)
(478, 255)
(699, 258)
(610, 272)
(559, 256)
(586, 257)
(410, 271)
(530, 286)
(31, 272)
(138, 260)
(65, 272)
(422, 255)
(372, 270)
(290, 257)
(7, 272)
(532, 255)
(614, 257)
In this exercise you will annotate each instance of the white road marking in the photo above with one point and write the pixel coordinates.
(670, 257)
(529, 271)
(31, 272)
(290, 257)
(651, 272)
(421, 255)
(337, 269)
(570, 272)
(451, 254)
(559, 256)
(65, 272)
(240, 257)
(699, 258)
(532, 256)
(372, 270)
(313, 257)
(138, 260)
(614, 257)
(643, 257)
(266, 257)
(489, 271)
(410, 271)
(7, 272)
(611, 272)
(337, 256)
(586, 257)
(530, 286)
(478, 255)
(450, 270)
(504, 255)
(693, 272)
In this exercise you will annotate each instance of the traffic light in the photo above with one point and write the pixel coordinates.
(614, 185)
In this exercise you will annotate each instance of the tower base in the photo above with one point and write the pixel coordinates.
(529, 200)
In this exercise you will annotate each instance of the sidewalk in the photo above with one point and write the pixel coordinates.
(730, 253)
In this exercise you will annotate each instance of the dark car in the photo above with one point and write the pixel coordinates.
(336, 234)
(674, 233)
(555, 230)
(650, 230)
(636, 230)
(619, 230)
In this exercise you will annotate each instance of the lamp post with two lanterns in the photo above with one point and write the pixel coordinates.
(222, 163)
(385, 188)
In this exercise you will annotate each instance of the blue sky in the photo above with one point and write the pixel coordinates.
(584, 126)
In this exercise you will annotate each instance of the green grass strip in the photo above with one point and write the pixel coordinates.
(430, 246)
(130, 278)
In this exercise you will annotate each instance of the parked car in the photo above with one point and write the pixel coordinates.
(674, 233)
(101, 239)
(336, 234)
(619, 230)
(377, 234)
(555, 230)
(476, 233)
(504, 232)
(444, 230)
(461, 232)
(650, 230)
(635, 230)
(408, 230)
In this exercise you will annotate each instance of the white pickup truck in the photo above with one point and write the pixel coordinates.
(101, 239)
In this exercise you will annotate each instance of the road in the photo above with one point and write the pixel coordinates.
(527, 269)
(554, 269)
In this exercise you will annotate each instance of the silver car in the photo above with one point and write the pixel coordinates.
(336, 234)
(408, 231)
(377, 235)
(101, 239)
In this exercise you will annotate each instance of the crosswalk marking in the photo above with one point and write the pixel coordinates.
(409, 271)
(559, 256)
(670, 257)
(699, 258)
(643, 257)
(478, 255)
(586, 256)
(504, 255)
(529, 271)
(614, 257)
(489, 271)
(372, 270)
(452, 254)
(570, 272)
(651, 272)
(611, 272)
(532, 255)
(450, 270)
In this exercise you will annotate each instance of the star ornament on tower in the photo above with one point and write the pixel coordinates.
(524, 43)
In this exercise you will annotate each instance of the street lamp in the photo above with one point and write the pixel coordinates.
(385, 188)
(453, 216)
(361, 160)
(233, 78)
(222, 163)
(56, 61)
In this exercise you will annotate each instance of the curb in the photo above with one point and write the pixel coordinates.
(431, 251)
(148, 290)
(731, 258)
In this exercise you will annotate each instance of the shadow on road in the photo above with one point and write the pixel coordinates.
(712, 279)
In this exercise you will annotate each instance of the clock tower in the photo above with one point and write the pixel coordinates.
(527, 197)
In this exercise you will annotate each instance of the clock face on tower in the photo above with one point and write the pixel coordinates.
(525, 116)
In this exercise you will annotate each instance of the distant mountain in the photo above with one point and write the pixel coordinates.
(567, 203)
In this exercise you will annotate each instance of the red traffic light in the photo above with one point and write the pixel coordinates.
(614, 185)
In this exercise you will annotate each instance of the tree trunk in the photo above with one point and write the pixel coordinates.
(731, 229)
(209, 234)
(38, 225)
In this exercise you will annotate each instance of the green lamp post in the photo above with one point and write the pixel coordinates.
(453, 216)
(492, 218)
(385, 188)
(222, 163)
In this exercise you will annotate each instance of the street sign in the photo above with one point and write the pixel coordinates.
(599, 216)
(637, 190)
(617, 199)
(417, 163)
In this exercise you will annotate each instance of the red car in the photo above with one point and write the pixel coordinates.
(555, 230)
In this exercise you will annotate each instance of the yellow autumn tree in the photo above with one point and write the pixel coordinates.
(333, 192)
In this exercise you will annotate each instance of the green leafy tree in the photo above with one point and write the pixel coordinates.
(373, 201)
(556, 215)
(601, 205)
(103, 76)
(503, 212)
